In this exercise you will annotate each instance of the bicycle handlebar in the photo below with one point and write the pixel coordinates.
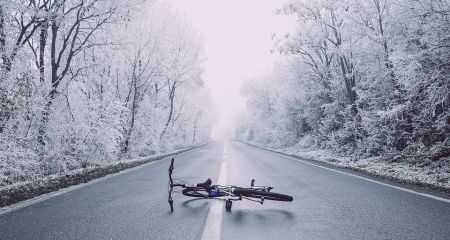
(170, 200)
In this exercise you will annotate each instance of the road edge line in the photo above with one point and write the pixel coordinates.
(357, 176)
(50, 195)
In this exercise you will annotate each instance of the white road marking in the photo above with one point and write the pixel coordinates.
(202, 151)
(213, 226)
(367, 179)
(50, 195)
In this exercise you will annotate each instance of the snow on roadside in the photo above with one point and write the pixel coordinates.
(33, 187)
(55, 177)
(427, 172)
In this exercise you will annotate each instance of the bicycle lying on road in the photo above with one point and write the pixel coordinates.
(228, 193)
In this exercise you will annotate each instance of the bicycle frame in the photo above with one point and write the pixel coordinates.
(229, 190)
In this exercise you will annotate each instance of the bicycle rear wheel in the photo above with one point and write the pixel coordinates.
(258, 194)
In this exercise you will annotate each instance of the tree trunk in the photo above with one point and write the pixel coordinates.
(349, 81)
(54, 64)
(51, 96)
(45, 116)
(195, 126)
(2, 40)
(42, 43)
(388, 63)
(126, 142)
(171, 98)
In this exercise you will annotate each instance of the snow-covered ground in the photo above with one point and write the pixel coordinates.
(398, 168)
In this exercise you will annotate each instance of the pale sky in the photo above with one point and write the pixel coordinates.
(237, 37)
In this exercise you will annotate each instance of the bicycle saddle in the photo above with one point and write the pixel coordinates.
(206, 184)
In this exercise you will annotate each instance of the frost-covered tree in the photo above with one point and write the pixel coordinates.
(369, 77)
(89, 82)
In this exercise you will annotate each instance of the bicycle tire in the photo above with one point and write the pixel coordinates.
(200, 192)
(267, 195)
(197, 192)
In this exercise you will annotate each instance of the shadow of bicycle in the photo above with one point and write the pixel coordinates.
(241, 216)
(196, 204)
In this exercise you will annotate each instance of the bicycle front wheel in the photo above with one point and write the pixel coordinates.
(258, 194)
(197, 192)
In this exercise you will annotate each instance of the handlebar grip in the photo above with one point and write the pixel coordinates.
(171, 164)
(171, 168)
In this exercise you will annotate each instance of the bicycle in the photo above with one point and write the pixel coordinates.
(228, 193)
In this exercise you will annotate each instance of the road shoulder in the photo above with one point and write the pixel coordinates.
(415, 186)
(28, 191)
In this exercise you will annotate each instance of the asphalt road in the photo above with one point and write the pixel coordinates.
(327, 204)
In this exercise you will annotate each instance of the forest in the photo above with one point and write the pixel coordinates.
(358, 78)
(85, 83)
(224, 119)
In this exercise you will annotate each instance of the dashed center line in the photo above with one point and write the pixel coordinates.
(213, 226)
